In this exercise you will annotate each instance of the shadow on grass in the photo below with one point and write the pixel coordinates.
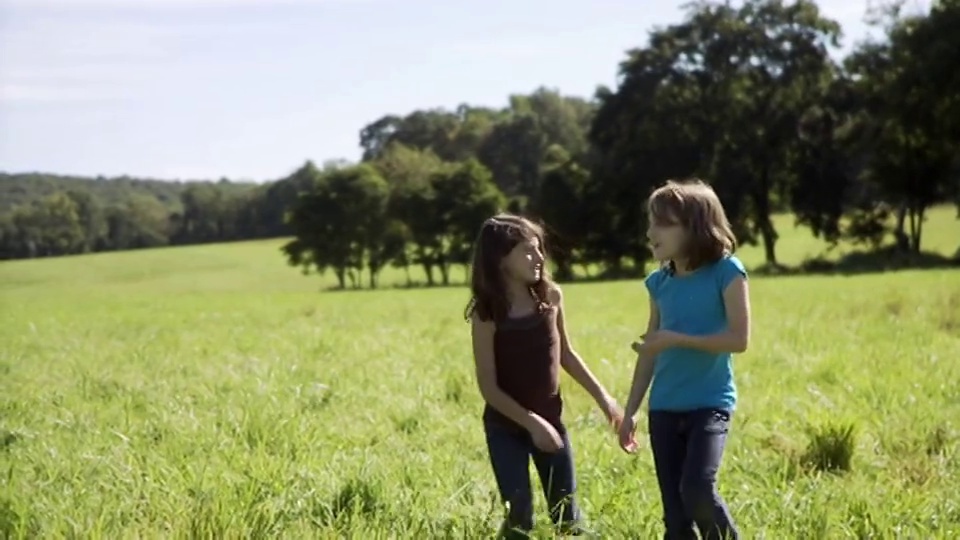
(864, 262)
(395, 286)
(605, 277)
(855, 263)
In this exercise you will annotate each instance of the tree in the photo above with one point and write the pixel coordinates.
(319, 230)
(341, 224)
(141, 222)
(826, 165)
(410, 173)
(263, 212)
(517, 146)
(91, 217)
(909, 133)
(722, 94)
(563, 206)
(451, 135)
(643, 133)
(465, 196)
(50, 227)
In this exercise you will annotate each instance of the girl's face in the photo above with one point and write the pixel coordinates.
(667, 238)
(525, 261)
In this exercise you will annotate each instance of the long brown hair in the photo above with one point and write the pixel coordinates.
(497, 238)
(694, 205)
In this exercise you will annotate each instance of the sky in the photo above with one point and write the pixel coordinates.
(250, 89)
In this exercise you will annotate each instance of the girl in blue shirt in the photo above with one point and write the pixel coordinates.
(699, 317)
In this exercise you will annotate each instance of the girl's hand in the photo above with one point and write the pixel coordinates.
(653, 343)
(627, 435)
(613, 412)
(545, 437)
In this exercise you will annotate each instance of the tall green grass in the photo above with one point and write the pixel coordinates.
(212, 392)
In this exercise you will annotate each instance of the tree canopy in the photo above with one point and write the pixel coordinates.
(745, 95)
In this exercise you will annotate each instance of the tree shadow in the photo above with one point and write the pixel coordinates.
(395, 286)
(889, 259)
(603, 277)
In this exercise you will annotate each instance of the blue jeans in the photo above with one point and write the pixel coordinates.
(510, 449)
(687, 450)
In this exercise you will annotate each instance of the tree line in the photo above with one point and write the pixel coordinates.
(745, 96)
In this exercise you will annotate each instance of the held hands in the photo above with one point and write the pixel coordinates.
(627, 435)
(612, 411)
(546, 437)
(653, 343)
(622, 425)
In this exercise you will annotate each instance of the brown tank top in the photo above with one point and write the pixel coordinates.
(527, 357)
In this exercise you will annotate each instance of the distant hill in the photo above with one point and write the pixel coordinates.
(25, 188)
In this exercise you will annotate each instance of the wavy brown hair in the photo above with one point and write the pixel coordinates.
(694, 205)
(497, 238)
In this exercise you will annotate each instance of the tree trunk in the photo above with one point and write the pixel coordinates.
(564, 269)
(444, 272)
(373, 276)
(427, 262)
(903, 241)
(428, 270)
(761, 198)
(614, 266)
(769, 235)
(916, 227)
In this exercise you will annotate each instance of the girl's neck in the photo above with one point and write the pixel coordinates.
(519, 298)
(681, 267)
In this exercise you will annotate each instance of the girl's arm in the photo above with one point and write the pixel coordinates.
(643, 372)
(482, 333)
(736, 300)
(642, 375)
(572, 362)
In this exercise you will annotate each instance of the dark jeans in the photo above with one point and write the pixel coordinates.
(510, 450)
(687, 449)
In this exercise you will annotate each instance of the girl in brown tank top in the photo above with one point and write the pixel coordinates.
(519, 346)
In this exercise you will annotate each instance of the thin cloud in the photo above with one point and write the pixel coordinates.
(81, 60)
(519, 47)
(536, 44)
(128, 4)
(83, 63)
(40, 93)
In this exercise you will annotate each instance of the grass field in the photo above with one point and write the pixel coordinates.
(212, 392)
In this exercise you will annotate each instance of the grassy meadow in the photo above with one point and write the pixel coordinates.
(214, 392)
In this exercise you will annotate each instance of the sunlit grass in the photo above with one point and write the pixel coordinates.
(212, 391)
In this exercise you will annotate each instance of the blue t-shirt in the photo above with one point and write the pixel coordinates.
(686, 379)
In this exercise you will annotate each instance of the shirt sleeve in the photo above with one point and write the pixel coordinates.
(730, 269)
(653, 281)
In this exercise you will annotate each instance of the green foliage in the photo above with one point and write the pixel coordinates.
(831, 448)
(745, 95)
(341, 223)
(719, 95)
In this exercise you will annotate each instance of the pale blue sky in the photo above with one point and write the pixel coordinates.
(249, 89)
